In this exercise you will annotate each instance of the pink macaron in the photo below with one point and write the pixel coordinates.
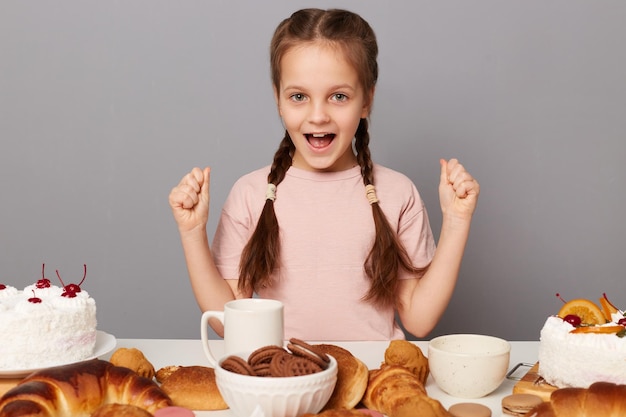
(173, 412)
(371, 413)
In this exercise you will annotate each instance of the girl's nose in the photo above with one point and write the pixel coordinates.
(319, 113)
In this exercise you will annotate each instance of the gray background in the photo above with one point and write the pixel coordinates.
(104, 105)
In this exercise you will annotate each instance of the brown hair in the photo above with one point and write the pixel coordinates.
(356, 39)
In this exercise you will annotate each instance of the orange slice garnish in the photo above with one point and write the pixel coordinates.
(587, 310)
(598, 329)
(607, 308)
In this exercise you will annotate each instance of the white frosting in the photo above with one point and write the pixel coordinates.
(580, 359)
(7, 292)
(56, 331)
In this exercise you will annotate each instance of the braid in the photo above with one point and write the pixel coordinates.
(363, 152)
(387, 254)
(282, 160)
(260, 256)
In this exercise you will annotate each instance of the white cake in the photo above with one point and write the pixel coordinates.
(580, 359)
(53, 331)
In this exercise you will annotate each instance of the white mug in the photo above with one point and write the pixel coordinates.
(249, 323)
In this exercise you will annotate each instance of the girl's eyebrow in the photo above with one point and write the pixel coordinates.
(332, 88)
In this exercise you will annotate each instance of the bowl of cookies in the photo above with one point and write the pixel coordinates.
(282, 381)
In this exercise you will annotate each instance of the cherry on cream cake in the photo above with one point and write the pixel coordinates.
(45, 325)
(583, 344)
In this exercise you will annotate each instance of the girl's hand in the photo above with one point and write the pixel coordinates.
(189, 200)
(458, 190)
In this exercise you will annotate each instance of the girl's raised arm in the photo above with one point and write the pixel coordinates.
(189, 202)
(423, 301)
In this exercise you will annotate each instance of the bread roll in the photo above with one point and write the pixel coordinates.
(352, 378)
(163, 373)
(79, 389)
(194, 387)
(601, 399)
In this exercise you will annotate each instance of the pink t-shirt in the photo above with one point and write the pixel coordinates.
(326, 230)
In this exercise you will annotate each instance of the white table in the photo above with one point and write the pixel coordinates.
(161, 352)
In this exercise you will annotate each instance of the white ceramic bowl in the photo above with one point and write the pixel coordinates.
(468, 365)
(277, 397)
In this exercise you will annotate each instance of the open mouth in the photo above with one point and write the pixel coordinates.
(319, 140)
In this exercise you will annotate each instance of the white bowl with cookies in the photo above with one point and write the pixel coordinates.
(301, 380)
(468, 365)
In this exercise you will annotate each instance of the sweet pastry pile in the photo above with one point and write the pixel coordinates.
(583, 344)
(49, 325)
(299, 358)
(189, 387)
(395, 389)
(128, 384)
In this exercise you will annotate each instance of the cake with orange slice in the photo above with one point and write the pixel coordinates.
(584, 343)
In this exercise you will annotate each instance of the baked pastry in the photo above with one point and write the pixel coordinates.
(397, 392)
(352, 378)
(120, 410)
(601, 399)
(409, 355)
(80, 389)
(133, 359)
(163, 373)
(194, 387)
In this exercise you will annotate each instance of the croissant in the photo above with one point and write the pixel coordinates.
(79, 389)
(120, 410)
(134, 359)
(404, 353)
(601, 399)
(397, 392)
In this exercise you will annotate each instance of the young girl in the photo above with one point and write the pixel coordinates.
(344, 243)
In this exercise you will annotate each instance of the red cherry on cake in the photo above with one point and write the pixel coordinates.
(622, 321)
(33, 299)
(71, 290)
(43, 282)
(573, 319)
(2, 286)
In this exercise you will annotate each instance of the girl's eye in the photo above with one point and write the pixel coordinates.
(298, 97)
(339, 97)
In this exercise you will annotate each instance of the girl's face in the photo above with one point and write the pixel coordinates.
(321, 102)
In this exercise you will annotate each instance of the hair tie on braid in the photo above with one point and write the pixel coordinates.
(270, 194)
(370, 193)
